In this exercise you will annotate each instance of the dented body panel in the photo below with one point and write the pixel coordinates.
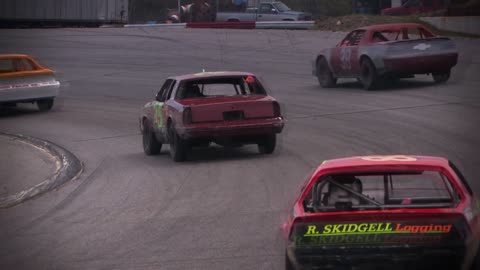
(208, 119)
(399, 55)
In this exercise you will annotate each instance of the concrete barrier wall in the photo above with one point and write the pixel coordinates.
(467, 24)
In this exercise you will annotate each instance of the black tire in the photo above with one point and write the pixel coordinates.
(441, 77)
(178, 147)
(45, 104)
(368, 74)
(267, 145)
(324, 74)
(476, 261)
(151, 146)
(288, 263)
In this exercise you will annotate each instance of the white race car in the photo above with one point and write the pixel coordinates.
(24, 80)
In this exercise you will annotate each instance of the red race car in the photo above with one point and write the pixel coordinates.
(378, 53)
(384, 212)
(228, 108)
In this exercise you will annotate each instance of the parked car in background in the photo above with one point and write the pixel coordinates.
(269, 11)
(417, 6)
(24, 80)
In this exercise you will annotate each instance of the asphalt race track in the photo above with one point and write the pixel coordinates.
(222, 209)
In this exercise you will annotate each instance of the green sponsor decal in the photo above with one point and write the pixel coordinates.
(158, 117)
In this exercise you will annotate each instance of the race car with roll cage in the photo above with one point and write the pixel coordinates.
(384, 53)
(384, 212)
(226, 108)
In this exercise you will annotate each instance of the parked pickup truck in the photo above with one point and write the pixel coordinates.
(272, 11)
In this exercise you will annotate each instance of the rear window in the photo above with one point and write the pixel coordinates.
(419, 189)
(408, 33)
(217, 87)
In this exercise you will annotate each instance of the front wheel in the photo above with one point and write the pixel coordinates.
(368, 75)
(178, 147)
(267, 145)
(45, 104)
(151, 146)
(324, 74)
(441, 77)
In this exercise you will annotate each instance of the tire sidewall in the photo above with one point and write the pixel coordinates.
(370, 80)
(324, 74)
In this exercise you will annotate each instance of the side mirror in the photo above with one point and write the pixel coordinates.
(274, 11)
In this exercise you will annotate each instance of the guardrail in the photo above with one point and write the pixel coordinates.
(234, 25)
(285, 25)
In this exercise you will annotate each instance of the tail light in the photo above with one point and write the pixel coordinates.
(187, 116)
(276, 109)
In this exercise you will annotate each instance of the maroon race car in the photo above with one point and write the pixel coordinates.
(384, 212)
(381, 53)
(227, 108)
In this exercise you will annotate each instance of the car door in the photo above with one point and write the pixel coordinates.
(266, 12)
(159, 108)
(344, 57)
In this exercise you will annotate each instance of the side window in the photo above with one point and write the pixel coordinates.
(266, 8)
(460, 175)
(353, 39)
(170, 90)
(6, 66)
(22, 64)
(162, 94)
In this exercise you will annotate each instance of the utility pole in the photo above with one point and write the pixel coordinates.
(179, 6)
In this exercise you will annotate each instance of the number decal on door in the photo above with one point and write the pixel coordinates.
(345, 58)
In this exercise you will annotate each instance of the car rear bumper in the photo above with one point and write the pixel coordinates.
(378, 258)
(28, 92)
(250, 127)
(420, 64)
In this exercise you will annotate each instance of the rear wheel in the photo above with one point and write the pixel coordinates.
(476, 261)
(324, 74)
(288, 263)
(45, 104)
(151, 146)
(178, 146)
(267, 145)
(441, 77)
(368, 75)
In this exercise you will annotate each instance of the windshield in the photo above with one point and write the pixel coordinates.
(281, 6)
(422, 189)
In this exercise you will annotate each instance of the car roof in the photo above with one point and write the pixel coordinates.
(385, 160)
(13, 55)
(211, 74)
(391, 26)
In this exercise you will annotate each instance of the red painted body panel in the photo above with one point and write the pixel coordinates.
(230, 129)
(396, 163)
(424, 7)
